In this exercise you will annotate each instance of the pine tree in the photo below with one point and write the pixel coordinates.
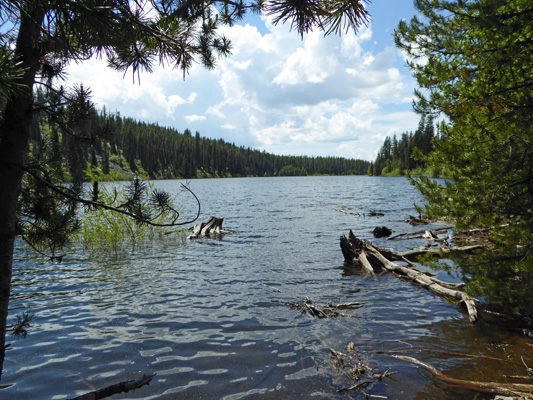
(475, 70)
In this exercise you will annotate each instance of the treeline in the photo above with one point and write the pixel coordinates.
(167, 153)
(399, 155)
(120, 145)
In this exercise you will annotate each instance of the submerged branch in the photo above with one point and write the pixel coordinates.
(506, 389)
(122, 387)
(327, 311)
(352, 366)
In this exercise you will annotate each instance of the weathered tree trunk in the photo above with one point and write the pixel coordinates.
(363, 253)
(14, 137)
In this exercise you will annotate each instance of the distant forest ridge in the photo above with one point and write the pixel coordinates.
(120, 146)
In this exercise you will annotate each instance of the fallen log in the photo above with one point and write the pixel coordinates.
(428, 282)
(374, 213)
(358, 252)
(506, 389)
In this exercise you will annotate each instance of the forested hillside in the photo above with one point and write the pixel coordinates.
(118, 145)
(166, 153)
(398, 155)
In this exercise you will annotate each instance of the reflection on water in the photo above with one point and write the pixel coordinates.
(211, 317)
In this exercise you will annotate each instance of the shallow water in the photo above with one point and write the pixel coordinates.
(212, 317)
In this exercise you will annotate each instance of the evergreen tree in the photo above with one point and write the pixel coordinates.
(476, 70)
(400, 155)
(166, 153)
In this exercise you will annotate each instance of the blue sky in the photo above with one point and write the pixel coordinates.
(318, 96)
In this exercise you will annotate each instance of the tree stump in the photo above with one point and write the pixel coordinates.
(209, 228)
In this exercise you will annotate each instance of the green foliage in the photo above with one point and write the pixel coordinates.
(330, 16)
(105, 230)
(289, 170)
(407, 153)
(46, 221)
(10, 72)
(472, 60)
(49, 216)
(164, 153)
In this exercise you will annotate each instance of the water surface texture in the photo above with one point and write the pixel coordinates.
(211, 317)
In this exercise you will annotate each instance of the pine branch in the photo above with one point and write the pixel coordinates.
(97, 204)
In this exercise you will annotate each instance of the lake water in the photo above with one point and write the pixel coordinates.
(212, 317)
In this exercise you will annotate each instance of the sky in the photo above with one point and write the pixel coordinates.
(317, 96)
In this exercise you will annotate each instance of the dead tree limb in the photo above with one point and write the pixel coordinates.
(417, 233)
(439, 252)
(443, 229)
(358, 252)
(122, 387)
(328, 311)
(427, 282)
(506, 389)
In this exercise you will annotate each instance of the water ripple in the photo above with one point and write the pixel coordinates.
(211, 317)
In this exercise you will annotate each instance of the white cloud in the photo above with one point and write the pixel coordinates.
(319, 96)
(154, 97)
(195, 118)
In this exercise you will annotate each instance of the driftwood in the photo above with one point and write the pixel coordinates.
(348, 210)
(412, 235)
(374, 213)
(328, 311)
(210, 227)
(439, 252)
(122, 387)
(357, 252)
(507, 389)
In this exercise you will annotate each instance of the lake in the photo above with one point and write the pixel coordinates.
(212, 318)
